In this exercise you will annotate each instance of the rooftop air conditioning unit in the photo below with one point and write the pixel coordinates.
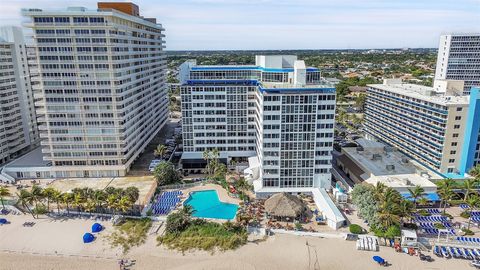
(376, 157)
(404, 160)
(390, 167)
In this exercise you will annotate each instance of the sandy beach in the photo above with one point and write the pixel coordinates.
(58, 244)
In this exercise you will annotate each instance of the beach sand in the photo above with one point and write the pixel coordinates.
(40, 242)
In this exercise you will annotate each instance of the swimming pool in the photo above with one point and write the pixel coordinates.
(207, 205)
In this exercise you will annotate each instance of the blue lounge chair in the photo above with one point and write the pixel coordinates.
(445, 252)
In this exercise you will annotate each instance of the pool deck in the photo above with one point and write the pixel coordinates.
(222, 193)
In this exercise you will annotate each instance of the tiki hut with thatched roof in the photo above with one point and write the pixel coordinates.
(285, 205)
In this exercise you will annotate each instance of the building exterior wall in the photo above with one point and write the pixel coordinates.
(459, 59)
(246, 111)
(102, 92)
(18, 131)
(430, 127)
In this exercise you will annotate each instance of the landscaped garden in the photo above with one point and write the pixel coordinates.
(133, 232)
(184, 233)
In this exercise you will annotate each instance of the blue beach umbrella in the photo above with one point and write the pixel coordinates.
(378, 259)
(88, 238)
(3, 221)
(97, 227)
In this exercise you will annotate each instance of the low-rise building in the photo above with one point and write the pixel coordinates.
(374, 162)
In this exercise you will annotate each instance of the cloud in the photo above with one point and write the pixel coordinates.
(290, 24)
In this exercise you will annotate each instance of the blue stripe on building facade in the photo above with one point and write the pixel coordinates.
(472, 131)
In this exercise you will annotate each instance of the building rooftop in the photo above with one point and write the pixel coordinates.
(421, 92)
(387, 165)
(33, 158)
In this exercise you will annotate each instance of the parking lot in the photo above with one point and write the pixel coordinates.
(141, 165)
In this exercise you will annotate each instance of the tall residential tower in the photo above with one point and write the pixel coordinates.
(459, 59)
(102, 94)
(278, 114)
(18, 130)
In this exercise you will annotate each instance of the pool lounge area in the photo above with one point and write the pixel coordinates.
(206, 204)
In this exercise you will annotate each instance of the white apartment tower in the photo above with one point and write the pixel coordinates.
(102, 93)
(440, 128)
(18, 130)
(459, 59)
(277, 114)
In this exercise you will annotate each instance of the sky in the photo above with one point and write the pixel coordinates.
(291, 24)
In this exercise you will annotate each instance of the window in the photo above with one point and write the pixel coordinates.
(456, 126)
(454, 143)
(459, 109)
(452, 160)
(458, 118)
(453, 152)
(455, 135)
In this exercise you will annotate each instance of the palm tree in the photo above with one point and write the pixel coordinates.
(4, 192)
(445, 191)
(48, 194)
(99, 198)
(378, 191)
(160, 151)
(57, 196)
(469, 186)
(78, 201)
(124, 204)
(416, 193)
(112, 202)
(36, 196)
(473, 202)
(405, 209)
(89, 205)
(423, 201)
(68, 199)
(475, 172)
(25, 198)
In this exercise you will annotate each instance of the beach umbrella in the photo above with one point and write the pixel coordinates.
(3, 221)
(378, 259)
(88, 238)
(97, 227)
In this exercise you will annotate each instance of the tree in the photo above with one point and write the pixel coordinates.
(132, 193)
(57, 196)
(468, 186)
(416, 193)
(405, 209)
(160, 151)
(24, 199)
(473, 202)
(124, 204)
(179, 221)
(445, 191)
(165, 173)
(4, 192)
(475, 172)
(112, 202)
(363, 196)
(360, 101)
(211, 156)
(68, 199)
(48, 194)
(36, 195)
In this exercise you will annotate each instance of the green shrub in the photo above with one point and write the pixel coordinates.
(447, 215)
(393, 231)
(149, 212)
(439, 225)
(298, 226)
(40, 209)
(356, 229)
(467, 231)
(207, 236)
(132, 232)
(465, 214)
(423, 212)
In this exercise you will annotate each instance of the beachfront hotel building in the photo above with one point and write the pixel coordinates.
(459, 59)
(438, 127)
(277, 114)
(102, 93)
(18, 131)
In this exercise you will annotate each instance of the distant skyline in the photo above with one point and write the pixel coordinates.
(291, 24)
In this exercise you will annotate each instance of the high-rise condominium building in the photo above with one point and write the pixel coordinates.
(102, 92)
(440, 129)
(277, 114)
(18, 131)
(459, 59)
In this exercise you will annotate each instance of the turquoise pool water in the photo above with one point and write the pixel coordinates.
(207, 205)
